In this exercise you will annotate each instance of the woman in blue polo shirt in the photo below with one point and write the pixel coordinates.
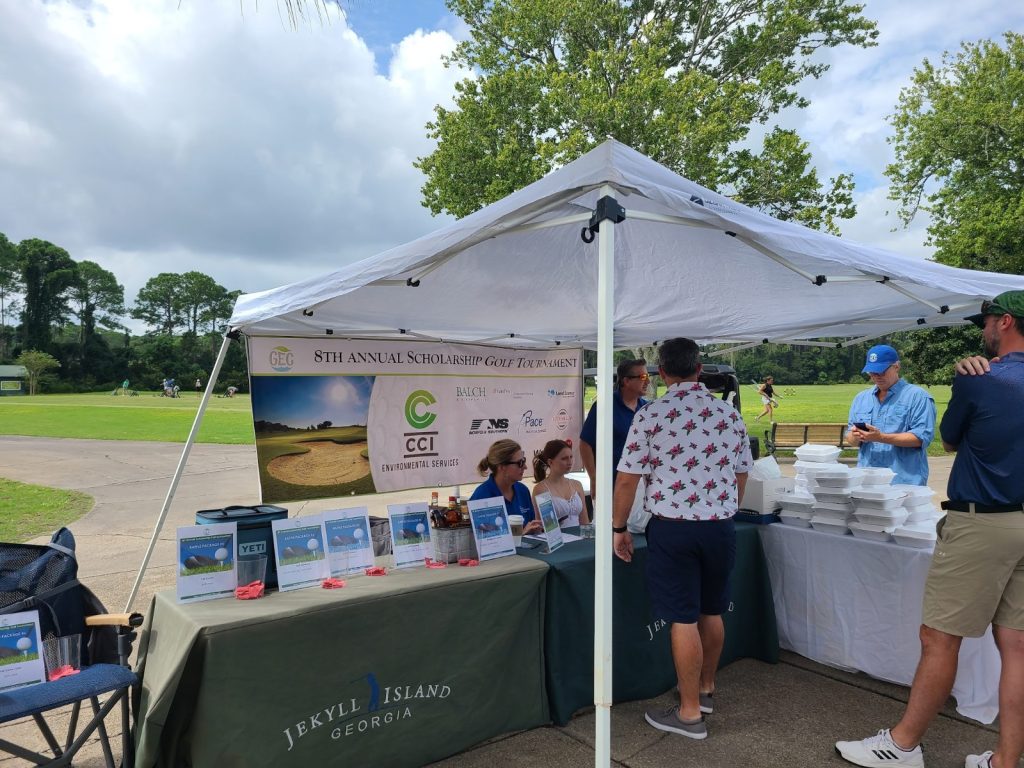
(506, 462)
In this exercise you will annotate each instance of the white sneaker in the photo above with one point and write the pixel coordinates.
(879, 750)
(984, 760)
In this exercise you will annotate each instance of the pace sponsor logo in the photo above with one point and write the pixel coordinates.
(561, 419)
(566, 393)
(472, 392)
(374, 706)
(281, 359)
(488, 426)
(530, 423)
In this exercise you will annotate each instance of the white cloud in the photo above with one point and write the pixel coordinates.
(153, 135)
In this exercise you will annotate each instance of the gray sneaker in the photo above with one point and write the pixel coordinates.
(707, 705)
(668, 720)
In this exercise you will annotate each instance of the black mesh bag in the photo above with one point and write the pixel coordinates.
(44, 577)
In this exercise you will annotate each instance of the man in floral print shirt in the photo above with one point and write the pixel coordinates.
(692, 451)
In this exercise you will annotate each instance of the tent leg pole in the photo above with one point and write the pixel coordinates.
(603, 509)
(178, 471)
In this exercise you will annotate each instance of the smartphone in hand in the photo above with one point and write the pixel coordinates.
(860, 425)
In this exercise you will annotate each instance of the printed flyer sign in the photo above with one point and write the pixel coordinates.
(410, 534)
(349, 546)
(206, 561)
(491, 529)
(21, 651)
(552, 535)
(336, 417)
(299, 551)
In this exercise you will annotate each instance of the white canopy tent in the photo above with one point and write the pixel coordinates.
(662, 257)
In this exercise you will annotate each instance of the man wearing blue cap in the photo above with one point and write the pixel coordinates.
(976, 578)
(893, 422)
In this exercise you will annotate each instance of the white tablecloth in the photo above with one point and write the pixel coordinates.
(856, 605)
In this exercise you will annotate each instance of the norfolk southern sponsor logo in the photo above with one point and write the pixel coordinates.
(530, 423)
(470, 393)
(488, 426)
(567, 393)
(382, 706)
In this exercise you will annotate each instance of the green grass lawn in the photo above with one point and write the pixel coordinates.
(146, 417)
(813, 404)
(31, 510)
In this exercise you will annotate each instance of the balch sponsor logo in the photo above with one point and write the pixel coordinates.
(488, 426)
(383, 706)
(470, 393)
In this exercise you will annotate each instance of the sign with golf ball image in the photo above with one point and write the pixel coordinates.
(21, 660)
(300, 552)
(349, 546)
(491, 529)
(206, 561)
(410, 534)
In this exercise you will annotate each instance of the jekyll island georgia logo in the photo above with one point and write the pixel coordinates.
(281, 359)
(416, 409)
(378, 707)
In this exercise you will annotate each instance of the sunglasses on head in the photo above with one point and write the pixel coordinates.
(521, 463)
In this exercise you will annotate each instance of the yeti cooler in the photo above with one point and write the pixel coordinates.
(254, 534)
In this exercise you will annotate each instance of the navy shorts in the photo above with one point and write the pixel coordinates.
(689, 565)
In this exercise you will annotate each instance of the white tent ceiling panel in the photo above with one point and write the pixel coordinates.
(719, 272)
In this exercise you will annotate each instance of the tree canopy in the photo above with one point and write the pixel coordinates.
(959, 154)
(682, 82)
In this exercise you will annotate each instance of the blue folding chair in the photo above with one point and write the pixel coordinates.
(44, 578)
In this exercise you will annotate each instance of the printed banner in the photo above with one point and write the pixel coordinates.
(336, 417)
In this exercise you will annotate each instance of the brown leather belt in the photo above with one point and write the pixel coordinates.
(970, 506)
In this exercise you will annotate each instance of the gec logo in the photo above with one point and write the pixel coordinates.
(282, 359)
(416, 409)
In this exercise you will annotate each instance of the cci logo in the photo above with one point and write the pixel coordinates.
(282, 359)
(416, 412)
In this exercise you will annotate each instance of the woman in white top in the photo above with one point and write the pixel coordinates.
(549, 469)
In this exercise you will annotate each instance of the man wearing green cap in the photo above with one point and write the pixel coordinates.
(977, 572)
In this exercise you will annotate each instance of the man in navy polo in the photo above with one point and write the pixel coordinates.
(893, 422)
(632, 381)
(977, 572)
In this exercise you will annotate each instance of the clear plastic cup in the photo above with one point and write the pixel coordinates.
(252, 568)
(586, 530)
(62, 655)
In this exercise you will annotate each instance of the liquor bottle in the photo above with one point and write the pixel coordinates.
(433, 499)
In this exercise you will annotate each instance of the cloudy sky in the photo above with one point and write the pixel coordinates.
(171, 135)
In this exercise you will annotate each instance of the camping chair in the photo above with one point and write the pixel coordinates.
(44, 578)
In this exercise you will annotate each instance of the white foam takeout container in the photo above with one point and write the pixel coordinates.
(815, 452)
(796, 519)
(826, 495)
(881, 498)
(917, 495)
(810, 469)
(914, 537)
(877, 476)
(883, 517)
(793, 502)
(844, 479)
(829, 525)
(872, 532)
(832, 512)
(925, 513)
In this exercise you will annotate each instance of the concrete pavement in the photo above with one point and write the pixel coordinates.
(787, 714)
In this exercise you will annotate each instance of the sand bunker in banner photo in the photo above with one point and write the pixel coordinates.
(326, 463)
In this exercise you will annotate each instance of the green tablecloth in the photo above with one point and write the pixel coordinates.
(389, 671)
(641, 657)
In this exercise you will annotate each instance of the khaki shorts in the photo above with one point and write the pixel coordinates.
(977, 574)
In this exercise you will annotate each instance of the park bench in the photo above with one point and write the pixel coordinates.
(790, 436)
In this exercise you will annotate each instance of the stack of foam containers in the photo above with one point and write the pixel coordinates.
(829, 483)
(877, 505)
(798, 506)
(918, 530)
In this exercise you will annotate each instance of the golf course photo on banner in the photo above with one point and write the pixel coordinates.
(343, 417)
